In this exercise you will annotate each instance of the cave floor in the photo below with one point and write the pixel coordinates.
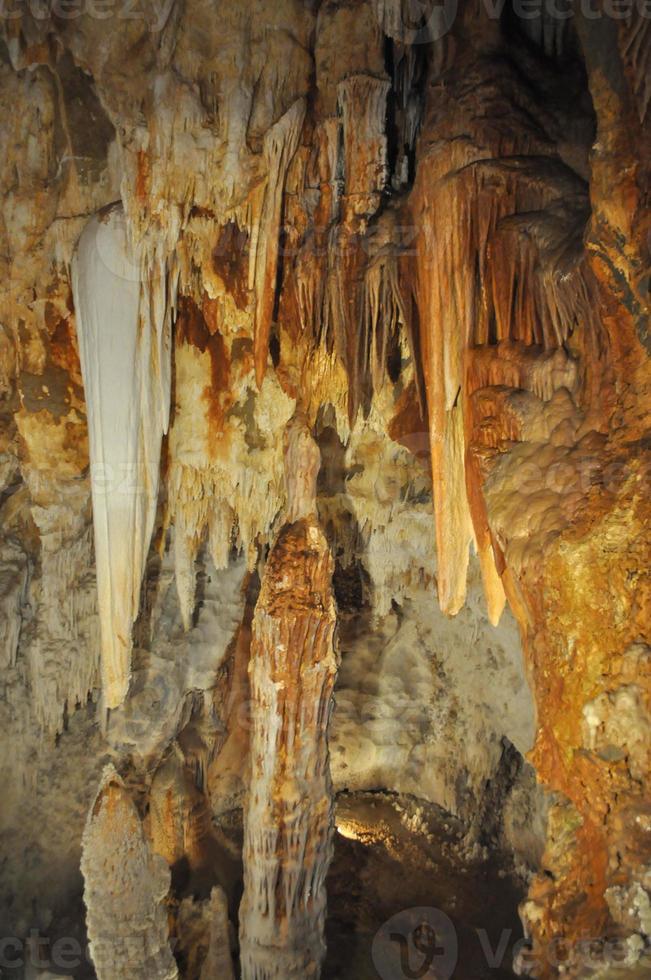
(402, 872)
(395, 857)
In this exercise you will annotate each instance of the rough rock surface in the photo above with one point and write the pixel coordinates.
(426, 238)
(125, 889)
(289, 809)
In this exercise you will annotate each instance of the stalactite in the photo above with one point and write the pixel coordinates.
(406, 20)
(390, 15)
(289, 816)
(330, 177)
(178, 822)
(343, 309)
(331, 292)
(440, 330)
(384, 312)
(494, 591)
(546, 30)
(264, 161)
(392, 522)
(178, 162)
(14, 577)
(123, 326)
(125, 890)
(636, 46)
(314, 262)
(362, 102)
(63, 659)
(412, 23)
(280, 145)
(216, 485)
(408, 64)
(513, 364)
(502, 281)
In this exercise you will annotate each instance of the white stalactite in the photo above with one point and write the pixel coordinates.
(123, 325)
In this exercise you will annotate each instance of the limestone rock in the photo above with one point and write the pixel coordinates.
(125, 890)
(289, 812)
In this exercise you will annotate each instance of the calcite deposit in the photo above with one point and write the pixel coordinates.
(289, 811)
(324, 468)
(126, 886)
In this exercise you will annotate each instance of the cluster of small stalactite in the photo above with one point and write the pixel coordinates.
(320, 218)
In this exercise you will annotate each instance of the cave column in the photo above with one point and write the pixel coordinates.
(289, 812)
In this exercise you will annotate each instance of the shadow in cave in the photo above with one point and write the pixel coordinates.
(396, 857)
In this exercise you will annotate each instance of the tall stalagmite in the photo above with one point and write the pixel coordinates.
(427, 227)
(289, 813)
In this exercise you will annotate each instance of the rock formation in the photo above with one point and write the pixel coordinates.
(289, 812)
(317, 314)
(126, 886)
(123, 328)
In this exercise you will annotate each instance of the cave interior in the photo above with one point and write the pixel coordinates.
(324, 489)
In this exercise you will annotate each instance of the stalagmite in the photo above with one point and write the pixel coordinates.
(123, 328)
(125, 890)
(421, 234)
(289, 815)
(280, 145)
(204, 937)
(302, 462)
(218, 962)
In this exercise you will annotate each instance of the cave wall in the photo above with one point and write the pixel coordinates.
(428, 240)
